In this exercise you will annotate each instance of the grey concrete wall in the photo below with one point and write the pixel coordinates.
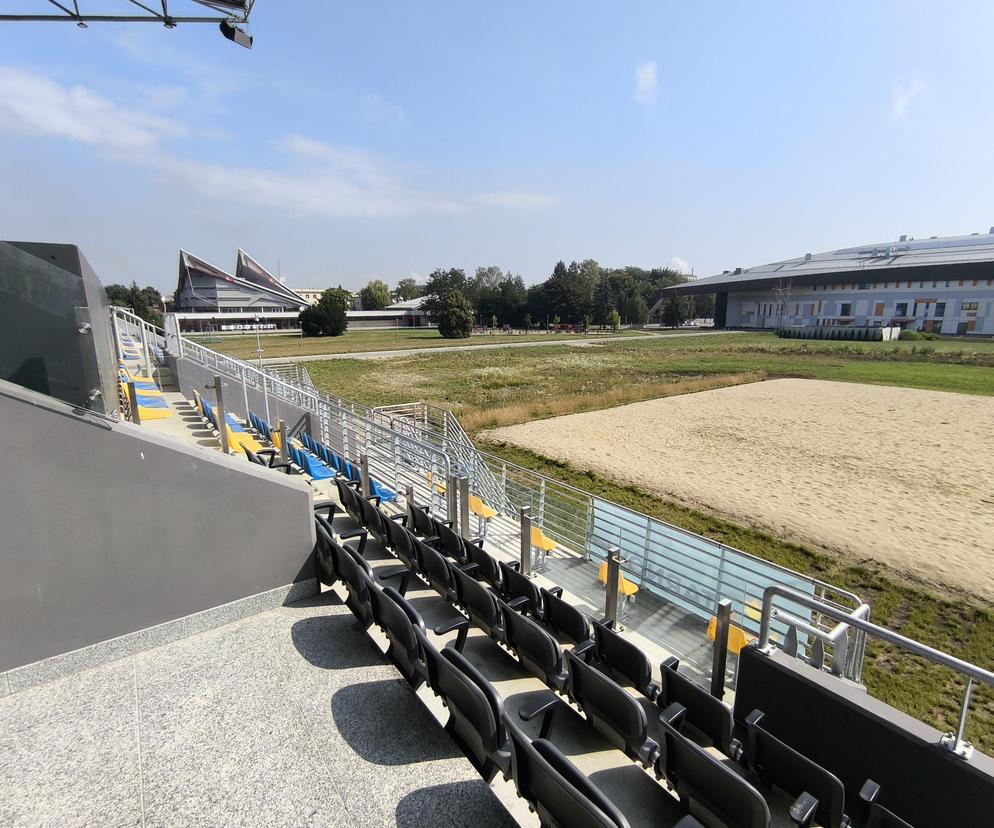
(192, 375)
(106, 528)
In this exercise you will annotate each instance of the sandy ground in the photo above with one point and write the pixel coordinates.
(894, 474)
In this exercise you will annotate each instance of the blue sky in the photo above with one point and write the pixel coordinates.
(388, 139)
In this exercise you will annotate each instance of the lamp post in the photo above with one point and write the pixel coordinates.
(258, 342)
(300, 324)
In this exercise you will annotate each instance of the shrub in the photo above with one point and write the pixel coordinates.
(455, 316)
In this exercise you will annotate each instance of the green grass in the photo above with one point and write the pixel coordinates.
(919, 688)
(291, 345)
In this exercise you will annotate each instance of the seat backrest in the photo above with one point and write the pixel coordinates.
(704, 712)
(620, 656)
(358, 581)
(480, 603)
(515, 585)
(451, 544)
(564, 618)
(486, 565)
(253, 457)
(421, 522)
(558, 791)
(397, 623)
(475, 710)
(610, 709)
(436, 569)
(537, 650)
(777, 763)
(326, 563)
(699, 777)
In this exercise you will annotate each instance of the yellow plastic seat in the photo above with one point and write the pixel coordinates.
(542, 541)
(753, 610)
(237, 440)
(737, 637)
(626, 587)
(481, 510)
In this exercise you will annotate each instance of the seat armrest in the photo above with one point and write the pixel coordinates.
(608, 623)
(584, 647)
(673, 715)
(447, 523)
(544, 706)
(467, 568)
(477, 542)
(461, 624)
(515, 565)
(401, 517)
(803, 809)
(401, 572)
(672, 662)
(557, 591)
(869, 792)
(519, 602)
(362, 534)
(431, 541)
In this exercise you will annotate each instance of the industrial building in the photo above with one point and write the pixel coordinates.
(936, 285)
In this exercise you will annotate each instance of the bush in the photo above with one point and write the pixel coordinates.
(455, 316)
(327, 317)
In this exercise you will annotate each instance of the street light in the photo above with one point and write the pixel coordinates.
(301, 324)
(258, 342)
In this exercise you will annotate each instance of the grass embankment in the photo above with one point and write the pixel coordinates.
(276, 346)
(909, 683)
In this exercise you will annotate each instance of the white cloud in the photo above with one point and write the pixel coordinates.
(517, 199)
(905, 93)
(310, 178)
(680, 265)
(35, 105)
(646, 82)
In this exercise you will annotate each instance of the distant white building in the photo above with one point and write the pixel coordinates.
(938, 285)
(398, 315)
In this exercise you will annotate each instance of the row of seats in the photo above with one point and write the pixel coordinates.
(239, 439)
(151, 403)
(689, 725)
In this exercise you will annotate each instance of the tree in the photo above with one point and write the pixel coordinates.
(144, 302)
(440, 284)
(637, 311)
(406, 290)
(570, 291)
(328, 316)
(455, 316)
(614, 320)
(674, 311)
(603, 301)
(375, 295)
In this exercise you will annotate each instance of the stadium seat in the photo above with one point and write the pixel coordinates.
(543, 543)
(737, 640)
(617, 656)
(560, 794)
(538, 651)
(627, 589)
(399, 622)
(563, 618)
(879, 816)
(480, 604)
(484, 513)
(515, 586)
(704, 713)
(486, 567)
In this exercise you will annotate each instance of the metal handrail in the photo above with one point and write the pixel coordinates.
(951, 741)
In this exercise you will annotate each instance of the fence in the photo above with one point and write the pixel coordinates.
(423, 447)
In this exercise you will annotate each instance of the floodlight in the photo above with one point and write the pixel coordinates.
(235, 34)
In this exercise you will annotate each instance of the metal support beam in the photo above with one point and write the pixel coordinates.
(284, 440)
(409, 497)
(133, 402)
(222, 423)
(719, 658)
(464, 529)
(611, 597)
(452, 501)
(364, 474)
(526, 542)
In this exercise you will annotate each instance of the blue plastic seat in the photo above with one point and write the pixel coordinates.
(314, 467)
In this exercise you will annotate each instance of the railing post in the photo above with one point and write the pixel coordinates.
(222, 423)
(265, 397)
(409, 497)
(464, 507)
(954, 741)
(245, 393)
(526, 542)
(364, 474)
(148, 356)
(133, 401)
(723, 616)
(613, 584)
(284, 442)
(452, 501)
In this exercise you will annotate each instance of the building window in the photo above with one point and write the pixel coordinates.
(949, 284)
(878, 309)
(940, 310)
(901, 309)
(968, 306)
(865, 285)
(845, 309)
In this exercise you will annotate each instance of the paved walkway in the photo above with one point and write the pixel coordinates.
(402, 352)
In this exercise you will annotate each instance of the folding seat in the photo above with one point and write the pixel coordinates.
(514, 587)
(486, 566)
(704, 713)
(562, 618)
(820, 794)
(311, 465)
(266, 457)
(480, 604)
(476, 712)
(404, 545)
(619, 657)
(423, 524)
(437, 570)
(449, 542)
(349, 499)
(538, 651)
(358, 580)
(398, 620)
(559, 793)
(699, 778)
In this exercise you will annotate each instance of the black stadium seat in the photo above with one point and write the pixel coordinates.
(619, 657)
(700, 778)
(563, 618)
(399, 622)
(706, 714)
(538, 651)
(555, 788)
(480, 604)
(514, 585)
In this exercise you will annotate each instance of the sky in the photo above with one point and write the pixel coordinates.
(384, 140)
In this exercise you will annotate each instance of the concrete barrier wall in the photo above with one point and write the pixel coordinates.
(192, 375)
(106, 528)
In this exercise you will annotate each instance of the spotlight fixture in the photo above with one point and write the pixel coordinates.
(235, 34)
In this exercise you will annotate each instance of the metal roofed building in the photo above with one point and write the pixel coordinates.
(406, 314)
(940, 285)
(210, 299)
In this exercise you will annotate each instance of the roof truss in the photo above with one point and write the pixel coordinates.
(164, 12)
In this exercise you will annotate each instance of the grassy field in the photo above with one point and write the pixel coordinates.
(491, 388)
(291, 345)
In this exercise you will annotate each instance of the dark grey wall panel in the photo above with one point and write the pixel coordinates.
(106, 528)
